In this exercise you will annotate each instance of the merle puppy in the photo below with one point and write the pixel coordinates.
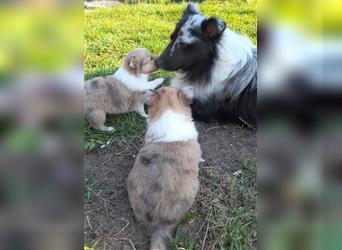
(220, 64)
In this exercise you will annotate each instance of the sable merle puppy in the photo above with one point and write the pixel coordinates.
(220, 64)
(163, 182)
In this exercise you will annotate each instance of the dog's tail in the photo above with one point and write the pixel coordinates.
(162, 237)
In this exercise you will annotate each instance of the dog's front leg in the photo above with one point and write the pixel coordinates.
(155, 83)
(141, 111)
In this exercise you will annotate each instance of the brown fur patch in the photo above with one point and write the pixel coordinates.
(165, 184)
(162, 186)
(168, 98)
(111, 96)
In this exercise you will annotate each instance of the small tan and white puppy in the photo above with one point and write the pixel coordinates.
(164, 180)
(122, 92)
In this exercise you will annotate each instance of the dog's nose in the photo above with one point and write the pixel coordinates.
(157, 62)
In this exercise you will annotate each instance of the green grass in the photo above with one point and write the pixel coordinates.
(234, 225)
(230, 218)
(90, 186)
(110, 33)
(184, 240)
(126, 126)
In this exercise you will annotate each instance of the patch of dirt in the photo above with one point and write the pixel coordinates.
(109, 221)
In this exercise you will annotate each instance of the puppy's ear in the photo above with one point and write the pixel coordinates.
(148, 95)
(213, 27)
(134, 63)
(191, 9)
(188, 92)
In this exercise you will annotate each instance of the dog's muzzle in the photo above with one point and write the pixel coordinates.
(158, 62)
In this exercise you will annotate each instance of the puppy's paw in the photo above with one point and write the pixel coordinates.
(110, 129)
(159, 81)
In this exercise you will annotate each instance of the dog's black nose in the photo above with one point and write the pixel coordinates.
(158, 62)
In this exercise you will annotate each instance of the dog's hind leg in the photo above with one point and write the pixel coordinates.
(97, 119)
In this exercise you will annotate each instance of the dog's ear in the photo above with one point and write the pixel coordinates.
(191, 9)
(213, 27)
(134, 63)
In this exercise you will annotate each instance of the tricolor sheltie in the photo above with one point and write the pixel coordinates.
(220, 64)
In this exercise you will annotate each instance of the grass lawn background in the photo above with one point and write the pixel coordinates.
(110, 33)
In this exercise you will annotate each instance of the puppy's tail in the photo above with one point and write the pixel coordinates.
(162, 237)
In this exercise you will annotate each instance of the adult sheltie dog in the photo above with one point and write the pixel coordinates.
(220, 64)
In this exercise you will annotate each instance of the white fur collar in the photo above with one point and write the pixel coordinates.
(234, 50)
(170, 127)
(132, 82)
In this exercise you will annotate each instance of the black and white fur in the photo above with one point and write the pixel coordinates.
(220, 64)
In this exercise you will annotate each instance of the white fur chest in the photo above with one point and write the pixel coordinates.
(133, 83)
(200, 91)
(171, 126)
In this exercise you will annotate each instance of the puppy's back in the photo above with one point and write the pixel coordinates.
(107, 94)
(163, 184)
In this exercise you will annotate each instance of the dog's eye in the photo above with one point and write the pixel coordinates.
(182, 45)
(151, 58)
